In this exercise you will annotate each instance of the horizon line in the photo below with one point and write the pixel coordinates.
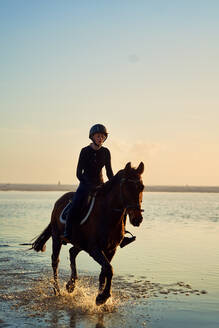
(76, 184)
(73, 187)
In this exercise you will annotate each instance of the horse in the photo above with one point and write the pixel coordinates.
(102, 232)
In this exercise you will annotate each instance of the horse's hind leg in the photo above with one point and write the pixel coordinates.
(106, 271)
(56, 247)
(71, 283)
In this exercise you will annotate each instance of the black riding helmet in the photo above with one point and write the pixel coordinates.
(98, 128)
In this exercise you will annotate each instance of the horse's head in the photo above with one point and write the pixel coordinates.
(131, 187)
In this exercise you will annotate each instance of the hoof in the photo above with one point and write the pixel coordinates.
(65, 240)
(102, 298)
(56, 291)
(70, 286)
(56, 288)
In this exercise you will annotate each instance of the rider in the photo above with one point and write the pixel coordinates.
(89, 172)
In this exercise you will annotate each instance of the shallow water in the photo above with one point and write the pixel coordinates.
(167, 278)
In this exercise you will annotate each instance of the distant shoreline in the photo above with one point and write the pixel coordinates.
(67, 187)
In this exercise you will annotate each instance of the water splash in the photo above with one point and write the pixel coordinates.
(37, 295)
(39, 298)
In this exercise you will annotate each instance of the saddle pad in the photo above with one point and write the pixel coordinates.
(64, 213)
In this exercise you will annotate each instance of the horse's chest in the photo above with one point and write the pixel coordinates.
(115, 236)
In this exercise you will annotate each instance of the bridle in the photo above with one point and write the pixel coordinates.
(125, 206)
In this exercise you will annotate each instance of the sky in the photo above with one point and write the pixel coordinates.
(147, 70)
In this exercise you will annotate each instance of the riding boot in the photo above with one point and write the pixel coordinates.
(126, 241)
(68, 229)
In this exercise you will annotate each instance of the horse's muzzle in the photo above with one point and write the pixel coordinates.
(135, 216)
(136, 221)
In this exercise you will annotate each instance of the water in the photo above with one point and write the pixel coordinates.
(167, 278)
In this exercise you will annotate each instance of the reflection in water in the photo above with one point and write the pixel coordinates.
(100, 323)
(54, 319)
(75, 319)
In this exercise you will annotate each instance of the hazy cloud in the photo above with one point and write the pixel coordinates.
(123, 152)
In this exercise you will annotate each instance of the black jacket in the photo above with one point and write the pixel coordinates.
(90, 164)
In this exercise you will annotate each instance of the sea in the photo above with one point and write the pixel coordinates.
(168, 277)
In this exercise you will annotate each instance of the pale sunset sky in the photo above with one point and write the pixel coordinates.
(147, 70)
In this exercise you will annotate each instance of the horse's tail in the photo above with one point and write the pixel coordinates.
(40, 242)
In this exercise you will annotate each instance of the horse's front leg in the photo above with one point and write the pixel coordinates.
(106, 271)
(56, 247)
(71, 283)
(102, 277)
(102, 280)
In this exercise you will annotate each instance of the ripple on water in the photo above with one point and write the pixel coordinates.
(36, 296)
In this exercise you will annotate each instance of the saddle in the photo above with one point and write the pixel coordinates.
(86, 208)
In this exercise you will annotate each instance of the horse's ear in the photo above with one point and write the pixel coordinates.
(128, 166)
(140, 168)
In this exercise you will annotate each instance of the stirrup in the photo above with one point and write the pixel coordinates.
(126, 241)
(126, 231)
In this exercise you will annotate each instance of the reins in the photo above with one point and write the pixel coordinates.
(124, 206)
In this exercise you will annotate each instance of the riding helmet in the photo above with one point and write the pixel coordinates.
(98, 128)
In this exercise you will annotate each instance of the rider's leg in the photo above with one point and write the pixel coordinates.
(74, 210)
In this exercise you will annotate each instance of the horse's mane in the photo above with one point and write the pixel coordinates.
(108, 185)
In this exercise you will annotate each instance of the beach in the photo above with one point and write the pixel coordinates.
(167, 278)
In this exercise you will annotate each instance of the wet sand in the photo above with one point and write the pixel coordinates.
(27, 298)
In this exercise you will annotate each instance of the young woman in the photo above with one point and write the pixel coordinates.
(91, 161)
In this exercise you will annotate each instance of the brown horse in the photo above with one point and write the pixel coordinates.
(104, 229)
